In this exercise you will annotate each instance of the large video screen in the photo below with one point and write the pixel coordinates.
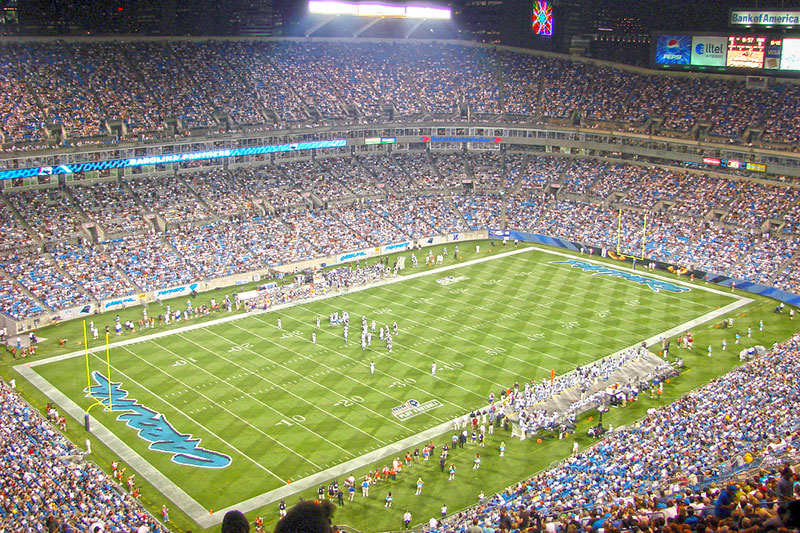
(542, 17)
(790, 54)
(772, 54)
(709, 51)
(673, 49)
(746, 52)
(766, 53)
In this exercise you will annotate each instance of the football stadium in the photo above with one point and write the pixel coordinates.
(389, 269)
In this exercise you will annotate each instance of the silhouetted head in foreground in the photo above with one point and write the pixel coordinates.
(235, 522)
(307, 517)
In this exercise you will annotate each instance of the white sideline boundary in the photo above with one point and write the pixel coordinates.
(202, 516)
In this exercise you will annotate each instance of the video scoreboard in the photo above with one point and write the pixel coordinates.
(728, 53)
(745, 52)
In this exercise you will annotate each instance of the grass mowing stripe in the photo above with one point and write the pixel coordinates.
(307, 378)
(430, 341)
(497, 323)
(488, 334)
(120, 372)
(556, 273)
(461, 408)
(207, 398)
(435, 318)
(226, 399)
(553, 330)
(349, 377)
(284, 389)
(544, 294)
(588, 295)
(627, 269)
(616, 284)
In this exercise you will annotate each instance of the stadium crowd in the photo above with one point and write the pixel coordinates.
(651, 475)
(154, 234)
(47, 484)
(155, 88)
(202, 224)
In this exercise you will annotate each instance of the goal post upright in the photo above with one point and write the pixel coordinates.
(619, 236)
(88, 372)
(644, 236)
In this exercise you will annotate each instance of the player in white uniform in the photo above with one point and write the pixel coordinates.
(314, 337)
(372, 367)
(280, 326)
(318, 321)
(433, 369)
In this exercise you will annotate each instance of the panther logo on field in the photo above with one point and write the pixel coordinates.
(154, 428)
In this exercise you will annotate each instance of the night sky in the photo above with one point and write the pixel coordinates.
(688, 15)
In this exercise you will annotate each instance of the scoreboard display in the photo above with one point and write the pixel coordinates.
(746, 52)
(737, 54)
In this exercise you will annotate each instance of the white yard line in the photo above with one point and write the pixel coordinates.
(378, 370)
(497, 323)
(221, 438)
(563, 273)
(289, 392)
(269, 407)
(426, 356)
(205, 519)
(332, 370)
(486, 333)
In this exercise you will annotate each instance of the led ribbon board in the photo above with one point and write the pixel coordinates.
(168, 158)
(427, 139)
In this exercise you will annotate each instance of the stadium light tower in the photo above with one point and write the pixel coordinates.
(373, 10)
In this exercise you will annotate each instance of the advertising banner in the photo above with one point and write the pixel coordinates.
(175, 291)
(123, 301)
(361, 254)
(765, 18)
(709, 51)
(673, 49)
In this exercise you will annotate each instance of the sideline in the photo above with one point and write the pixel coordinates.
(201, 515)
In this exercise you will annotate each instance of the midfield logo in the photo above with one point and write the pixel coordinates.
(413, 408)
(154, 428)
(451, 279)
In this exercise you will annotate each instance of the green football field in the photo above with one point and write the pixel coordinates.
(276, 413)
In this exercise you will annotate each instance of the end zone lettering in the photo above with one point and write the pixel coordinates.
(154, 428)
(653, 284)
